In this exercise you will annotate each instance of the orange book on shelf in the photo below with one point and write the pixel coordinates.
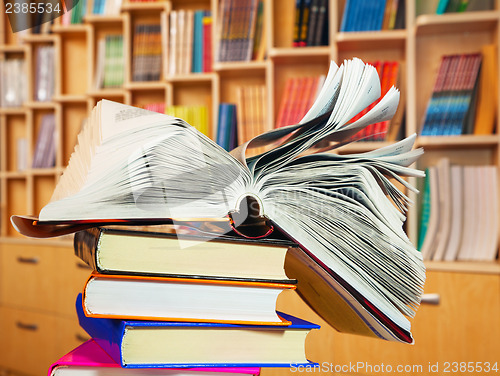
(137, 297)
(284, 104)
(487, 94)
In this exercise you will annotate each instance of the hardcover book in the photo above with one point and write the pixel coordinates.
(182, 299)
(89, 359)
(163, 252)
(148, 344)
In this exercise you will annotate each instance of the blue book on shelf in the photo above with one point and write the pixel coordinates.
(197, 64)
(222, 125)
(347, 16)
(232, 140)
(155, 344)
(441, 7)
(378, 14)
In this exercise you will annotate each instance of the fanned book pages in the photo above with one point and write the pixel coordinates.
(132, 165)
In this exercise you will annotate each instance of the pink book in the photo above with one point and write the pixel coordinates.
(90, 359)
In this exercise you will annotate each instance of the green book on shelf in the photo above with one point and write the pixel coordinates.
(425, 210)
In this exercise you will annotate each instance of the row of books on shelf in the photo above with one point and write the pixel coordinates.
(300, 92)
(189, 42)
(164, 298)
(45, 73)
(82, 8)
(463, 99)
(376, 15)
(311, 23)
(452, 6)
(44, 154)
(146, 52)
(75, 15)
(391, 74)
(196, 115)
(241, 32)
(459, 213)
(110, 62)
(13, 83)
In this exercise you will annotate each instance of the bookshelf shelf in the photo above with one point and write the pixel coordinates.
(146, 6)
(434, 24)
(70, 98)
(465, 266)
(372, 40)
(41, 171)
(39, 38)
(106, 93)
(300, 51)
(70, 29)
(41, 105)
(12, 49)
(193, 77)
(103, 19)
(13, 111)
(458, 141)
(240, 66)
(14, 174)
(153, 85)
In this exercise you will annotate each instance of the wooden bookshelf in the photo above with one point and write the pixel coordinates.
(419, 46)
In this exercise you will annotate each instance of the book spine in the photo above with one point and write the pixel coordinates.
(85, 244)
(297, 24)
(106, 333)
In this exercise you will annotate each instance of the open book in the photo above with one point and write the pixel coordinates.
(344, 210)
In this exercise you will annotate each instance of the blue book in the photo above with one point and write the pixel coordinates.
(154, 344)
(378, 15)
(346, 24)
(232, 140)
(441, 7)
(197, 64)
(222, 125)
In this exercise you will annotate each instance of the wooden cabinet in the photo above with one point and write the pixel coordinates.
(38, 288)
(463, 327)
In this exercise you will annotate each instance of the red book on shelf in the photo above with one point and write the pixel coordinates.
(207, 43)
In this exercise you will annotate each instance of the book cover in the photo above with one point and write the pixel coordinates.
(90, 355)
(183, 299)
(150, 344)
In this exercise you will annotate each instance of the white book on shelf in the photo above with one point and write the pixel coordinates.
(457, 204)
(428, 245)
(444, 209)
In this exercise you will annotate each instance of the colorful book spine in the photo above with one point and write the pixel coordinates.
(91, 357)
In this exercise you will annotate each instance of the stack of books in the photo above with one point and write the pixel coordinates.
(355, 266)
(161, 299)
